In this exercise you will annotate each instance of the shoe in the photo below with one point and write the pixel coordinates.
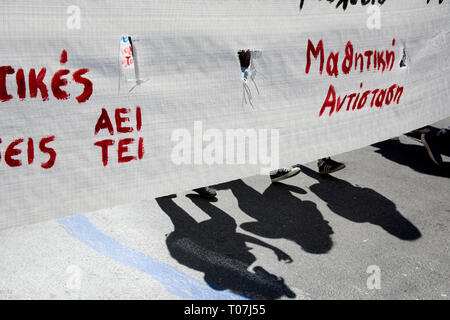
(284, 173)
(432, 149)
(206, 192)
(328, 166)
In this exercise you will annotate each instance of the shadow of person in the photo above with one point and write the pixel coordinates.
(216, 249)
(361, 205)
(443, 142)
(281, 215)
(413, 156)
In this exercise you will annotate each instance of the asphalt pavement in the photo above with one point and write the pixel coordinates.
(379, 229)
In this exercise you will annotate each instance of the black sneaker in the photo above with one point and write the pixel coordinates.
(206, 192)
(284, 173)
(327, 166)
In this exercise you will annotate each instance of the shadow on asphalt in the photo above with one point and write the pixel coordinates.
(444, 146)
(361, 205)
(281, 215)
(413, 156)
(216, 249)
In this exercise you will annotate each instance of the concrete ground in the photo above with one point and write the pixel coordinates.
(377, 230)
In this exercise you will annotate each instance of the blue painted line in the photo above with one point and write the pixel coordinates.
(175, 282)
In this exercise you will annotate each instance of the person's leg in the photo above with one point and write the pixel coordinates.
(206, 192)
(433, 141)
(283, 173)
(328, 165)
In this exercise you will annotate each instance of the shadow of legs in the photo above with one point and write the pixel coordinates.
(216, 249)
(361, 205)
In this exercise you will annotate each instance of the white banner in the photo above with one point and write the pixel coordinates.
(107, 102)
